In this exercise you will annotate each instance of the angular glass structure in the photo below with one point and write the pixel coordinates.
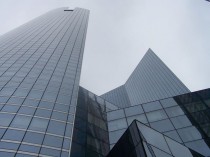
(151, 80)
(142, 141)
(184, 118)
(44, 112)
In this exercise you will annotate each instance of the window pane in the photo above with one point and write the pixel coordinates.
(156, 115)
(56, 127)
(53, 141)
(32, 137)
(66, 143)
(142, 118)
(180, 122)
(45, 104)
(14, 135)
(28, 148)
(133, 110)
(50, 152)
(174, 111)
(13, 100)
(115, 115)
(153, 137)
(21, 121)
(162, 126)
(43, 113)
(152, 106)
(38, 124)
(178, 149)
(3, 99)
(7, 154)
(62, 108)
(114, 136)
(117, 124)
(10, 108)
(5, 119)
(160, 153)
(2, 132)
(174, 135)
(168, 102)
(8, 145)
(27, 110)
(35, 94)
(30, 102)
(189, 134)
(199, 146)
(59, 116)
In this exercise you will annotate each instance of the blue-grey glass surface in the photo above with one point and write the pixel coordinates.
(90, 136)
(183, 118)
(151, 80)
(118, 96)
(140, 140)
(40, 66)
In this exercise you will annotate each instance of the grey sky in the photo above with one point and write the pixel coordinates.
(121, 31)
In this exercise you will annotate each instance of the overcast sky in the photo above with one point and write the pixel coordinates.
(121, 31)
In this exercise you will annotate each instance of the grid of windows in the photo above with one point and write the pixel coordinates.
(140, 140)
(151, 80)
(118, 97)
(40, 65)
(197, 109)
(90, 136)
(185, 120)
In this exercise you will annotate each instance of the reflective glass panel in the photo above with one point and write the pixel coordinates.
(117, 124)
(130, 111)
(142, 118)
(38, 124)
(152, 106)
(21, 121)
(189, 134)
(168, 102)
(181, 121)
(178, 149)
(156, 115)
(199, 146)
(160, 153)
(5, 119)
(153, 137)
(115, 115)
(174, 111)
(114, 136)
(162, 126)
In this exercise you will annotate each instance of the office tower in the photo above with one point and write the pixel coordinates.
(44, 112)
(151, 80)
(40, 66)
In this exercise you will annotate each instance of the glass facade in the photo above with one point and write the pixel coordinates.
(140, 140)
(44, 112)
(151, 80)
(183, 118)
(91, 137)
(40, 65)
(118, 96)
(196, 106)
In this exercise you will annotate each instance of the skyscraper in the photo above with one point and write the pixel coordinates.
(44, 112)
(40, 66)
(151, 80)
